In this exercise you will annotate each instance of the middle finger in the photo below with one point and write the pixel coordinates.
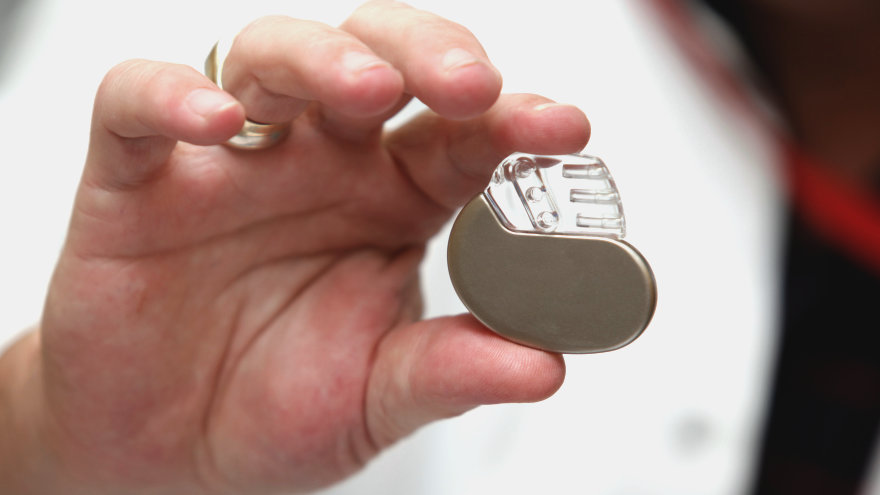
(442, 63)
(277, 65)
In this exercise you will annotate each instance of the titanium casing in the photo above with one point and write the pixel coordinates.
(562, 293)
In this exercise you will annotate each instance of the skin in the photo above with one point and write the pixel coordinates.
(224, 321)
(233, 322)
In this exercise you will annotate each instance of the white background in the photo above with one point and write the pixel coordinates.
(674, 413)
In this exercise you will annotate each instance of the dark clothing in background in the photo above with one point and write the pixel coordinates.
(822, 424)
(825, 400)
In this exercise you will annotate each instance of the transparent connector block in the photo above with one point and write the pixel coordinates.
(562, 194)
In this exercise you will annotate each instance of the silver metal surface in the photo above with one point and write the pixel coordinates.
(561, 293)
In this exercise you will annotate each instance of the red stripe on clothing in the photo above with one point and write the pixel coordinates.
(848, 216)
(842, 212)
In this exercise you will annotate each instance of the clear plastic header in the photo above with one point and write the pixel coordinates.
(562, 194)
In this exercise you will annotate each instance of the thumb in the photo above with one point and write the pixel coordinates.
(441, 368)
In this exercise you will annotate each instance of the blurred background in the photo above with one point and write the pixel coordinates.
(678, 411)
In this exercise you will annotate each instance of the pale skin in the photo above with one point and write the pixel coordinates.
(224, 321)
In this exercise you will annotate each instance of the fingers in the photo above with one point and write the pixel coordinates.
(441, 368)
(442, 63)
(143, 108)
(359, 73)
(277, 65)
(450, 161)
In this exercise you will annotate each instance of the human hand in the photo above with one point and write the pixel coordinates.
(224, 321)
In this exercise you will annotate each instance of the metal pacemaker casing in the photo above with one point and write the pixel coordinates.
(562, 293)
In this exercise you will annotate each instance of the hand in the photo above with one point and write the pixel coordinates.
(225, 321)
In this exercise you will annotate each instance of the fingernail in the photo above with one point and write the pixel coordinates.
(359, 61)
(545, 106)
(457, 58)
(205, 102)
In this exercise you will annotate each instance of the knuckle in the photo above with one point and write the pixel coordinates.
(116, 76)
(255, 27)
(135, 82)
(165, 76)
(438, 29)
(328, 45)
(161, 86)
(270, 40)
(372, 5)
(454, 28)
(136, 74)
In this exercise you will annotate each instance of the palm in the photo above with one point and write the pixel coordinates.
(288, 290)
